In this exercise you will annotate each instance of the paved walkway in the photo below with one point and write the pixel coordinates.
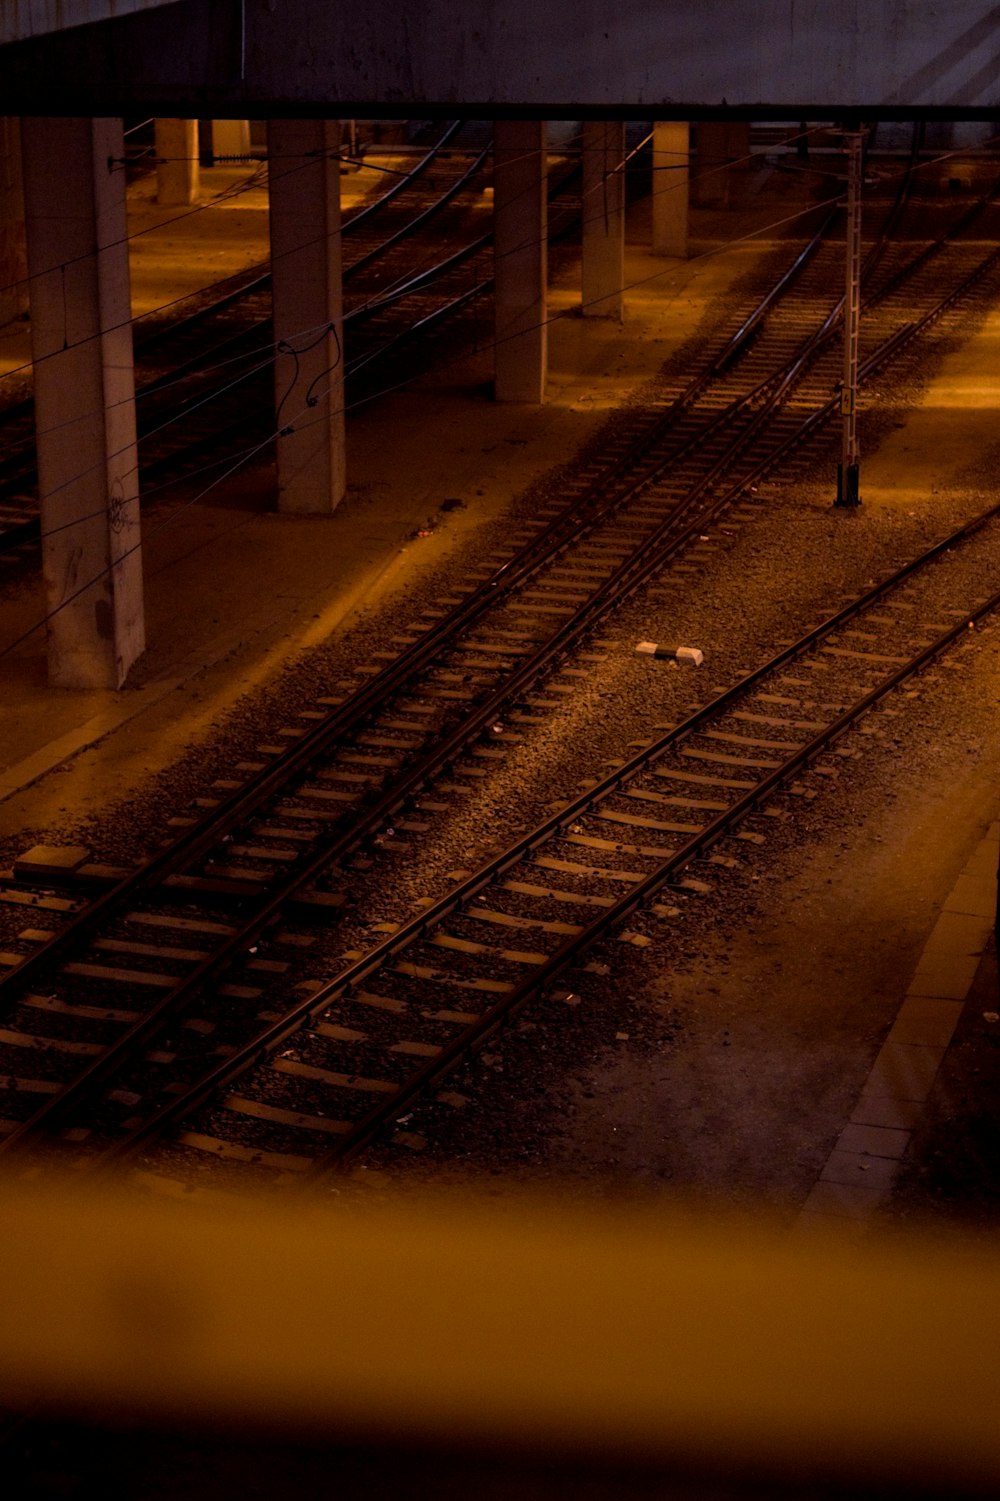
(859, 1175)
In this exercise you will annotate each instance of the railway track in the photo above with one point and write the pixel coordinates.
(208, 371)
(277, 847)
(513, 932)
(395, 274)
(332, 1074)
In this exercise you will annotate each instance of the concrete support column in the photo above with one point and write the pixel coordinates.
(671, 177)
(520, 252)
(13, 260)
(230, 137)
(740, 155)
(81, 338)
(603, 218)
(177, 168)
(304, 180)
(720, 144)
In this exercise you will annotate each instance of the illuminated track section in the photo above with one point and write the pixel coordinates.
(274, 848)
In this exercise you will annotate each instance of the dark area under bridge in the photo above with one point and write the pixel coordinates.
(546, 58)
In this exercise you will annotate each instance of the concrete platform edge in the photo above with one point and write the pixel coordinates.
(861, 1169)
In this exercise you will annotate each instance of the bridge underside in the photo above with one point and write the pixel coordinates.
(688, 60)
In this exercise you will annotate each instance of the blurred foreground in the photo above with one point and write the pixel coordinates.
(503, 1347)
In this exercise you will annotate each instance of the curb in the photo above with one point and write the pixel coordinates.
(861, 1169)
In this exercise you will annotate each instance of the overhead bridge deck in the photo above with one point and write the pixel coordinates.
(767, 58)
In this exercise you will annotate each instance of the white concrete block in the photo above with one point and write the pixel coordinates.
(690, 654)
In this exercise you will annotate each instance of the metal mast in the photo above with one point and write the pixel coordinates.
(847, 469)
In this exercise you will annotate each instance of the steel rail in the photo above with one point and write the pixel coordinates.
(354, 318)
(747, 330)
(734, 347)
(242, 802)
(221, 351)
(29, 529)
(924, 255)
(438, 272)
(261, 279)
(902, 198)
(898, 340)
(629, 576)
(663, 543)
(278, 774)
(349, 226)
(18, 462)
(364, 1131)
(404, 233)
(560, 533)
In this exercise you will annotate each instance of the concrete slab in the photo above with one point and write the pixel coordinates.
(859, 1168)
(974, 894)
(947, 977)
(958, 934)
(926, 1021)
(875, 1141)
(877, 1136)
(904, 1071)
(845, 1200)
(52, 860)
(886, 1110)
(984, 861)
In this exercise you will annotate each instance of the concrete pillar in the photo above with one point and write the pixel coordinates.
(520, 251)
(13, 260)
(671, 176)
(720, 144)
(230, 138)
(304, 179)
(177, 167)
(81, 338)
(603, 218)
(738, 143)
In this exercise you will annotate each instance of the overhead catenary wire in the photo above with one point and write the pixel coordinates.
(235, 191)
(384, 294)
(314, 399)
(311, 332)
(373, 304)
(283, 347)
(255, 179)
(355, 219)
(273, 350)
(305, 419)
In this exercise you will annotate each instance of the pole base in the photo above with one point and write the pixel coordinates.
(847, 485)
